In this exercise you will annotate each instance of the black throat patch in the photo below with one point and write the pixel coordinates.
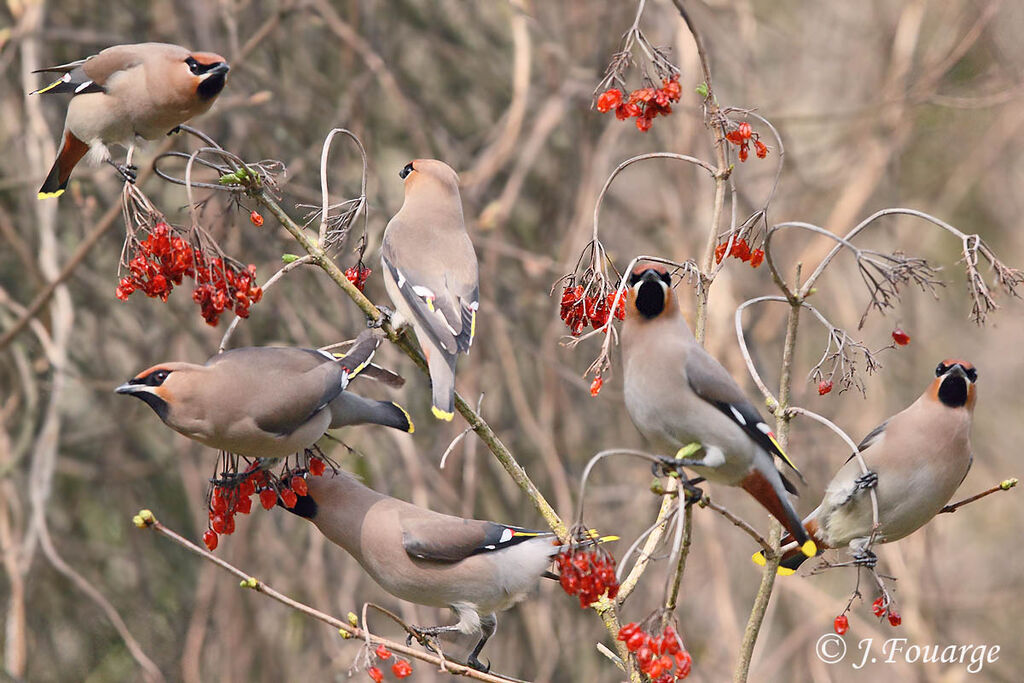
(158, 405)
(212, 86)
(953, 392)
(650, 299)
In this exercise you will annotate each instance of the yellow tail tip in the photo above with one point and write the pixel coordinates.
(785, 571)
(442, 414)
(608, 539)
(758, 559)
(810, 549)
(50, 195)
(408, 418)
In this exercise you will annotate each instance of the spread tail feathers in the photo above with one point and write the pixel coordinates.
(71, 152)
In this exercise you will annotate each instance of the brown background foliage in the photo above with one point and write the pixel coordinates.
(880, 103)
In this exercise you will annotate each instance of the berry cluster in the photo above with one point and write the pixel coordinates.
(401, 668)
(232, 494)
(587, 572)
(357, 275)
(224, 288)
(643, 104)
(882, 607)
(662, 658)
(741, 250)
(743, 136)
(164, 258)
(900, 337)
(578, 309)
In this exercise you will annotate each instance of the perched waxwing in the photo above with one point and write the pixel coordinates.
(476, 568)
(430, 273)
(264, 402)
(916, 461)
(143, 90)
(677, 394)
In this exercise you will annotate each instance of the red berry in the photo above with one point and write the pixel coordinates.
(756, 258)
(382, 652)
(298, 485)
(256, 218)
(683, 664)
(401, 668)
(645, 655)
(626, 631)
(268, 498)
(734, 137)
(824, 387)
(842, 624)
(289, 498)
(595, 386)
(760, 149)
(376, 674)
(218, 524)
(316, 467)
(635, 641)
(744, 130)
(894, 618)
(720, 252)
(878, 607)
(609, 99)
(900, 337)
(244, 505)
(210, 539)
(744, 152)
(643, 123)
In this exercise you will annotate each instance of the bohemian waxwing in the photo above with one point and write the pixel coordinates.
(677, 394)
(143, 90)
(264, 402)
(430, 273)
(916, 461)
(476, 568)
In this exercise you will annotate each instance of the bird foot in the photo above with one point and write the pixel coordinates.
(868, 480)
(129, 172)
(424, 635)
(386, 315)
(474, 663)
(865, 558)
(693, 494)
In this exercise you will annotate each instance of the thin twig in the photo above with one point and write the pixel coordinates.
(1004, 485)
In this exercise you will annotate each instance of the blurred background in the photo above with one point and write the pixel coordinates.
(882, 103)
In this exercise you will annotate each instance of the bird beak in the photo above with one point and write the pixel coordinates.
(959, 371)
(129, 388)
(219, 69)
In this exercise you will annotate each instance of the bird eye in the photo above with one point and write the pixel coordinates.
(941, 369)
(157, 378)
(404, 173)
(193, 65)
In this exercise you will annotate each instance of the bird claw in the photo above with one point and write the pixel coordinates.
(868, 480)
(386, 316)
(424, 636)
(865, 558)
(129, 172)
(474, 663)
(693, 494)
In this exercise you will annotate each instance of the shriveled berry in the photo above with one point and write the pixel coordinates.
(824, 386)
(900, 337)
(595, 386)
(316, 467)
(878, 607)
(375, 673)
(841, 624)
(382, 652)
(894, 618)
(289, 498)
(609, 99)
(256, 218)
(298, 485)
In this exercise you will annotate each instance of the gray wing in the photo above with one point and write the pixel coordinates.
(452, 539)
(443, 299)
(714, 384)
(282, 387)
